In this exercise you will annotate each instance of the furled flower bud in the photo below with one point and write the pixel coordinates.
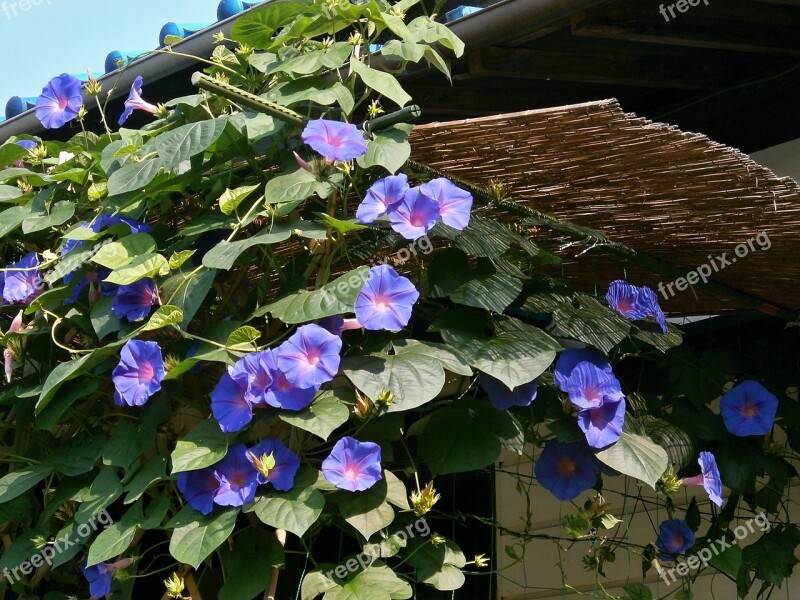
(93, 87)
(423, 501)
(481, 560)
(669, 483)
(386, 398)
(174, 585)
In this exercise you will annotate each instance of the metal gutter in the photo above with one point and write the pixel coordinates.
(495, 24)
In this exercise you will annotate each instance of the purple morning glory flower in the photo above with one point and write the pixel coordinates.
(415, 215)
(749, 409)
(570, 358)
(674, 538)
(602, 425)
(353, 465)
(199, 488)
(709, 478)
(104, 221)
(635, 303)
(135, 300)
(454, 203)
(335, 140)
(386, 300)
(281, 475)
(136, 102)
(589, 386)
(310, 357)
(503, 398)
(281, 393)
(565, 469)
(383, 194)
(229, 403)
(25, 284)
(255, 370)
(60, 101)
(238, 479)
(139, 373)
(100, 575)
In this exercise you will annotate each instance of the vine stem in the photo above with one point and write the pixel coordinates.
(273, 579)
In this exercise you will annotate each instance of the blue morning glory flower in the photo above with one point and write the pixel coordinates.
(589, 386)
(281, 393)
(674, 538)
(255, 369)
(60, 101)
(415, 215)
(335, 140)
(22, 285)
(565, 469)
(603, 425)
(353, 465)
(199, 488)
(570, 358)
(386, 300)
(28, 145)
(310, 357)
(503, 398)
(100, 575)
(709, 477)
(749, 409)
(139, 373)
(134, 301)
(635, 303)
(136, 102)
(454, 203)
(281, 475)
(238, 479)
(229, 403)
(381, 196)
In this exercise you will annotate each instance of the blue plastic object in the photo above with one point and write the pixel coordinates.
(228, 8)
(182, 30)
(16, 106)
(459, 12)
(116, 59)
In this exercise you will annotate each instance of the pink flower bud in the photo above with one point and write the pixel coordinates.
(9, 364)
(16, 324)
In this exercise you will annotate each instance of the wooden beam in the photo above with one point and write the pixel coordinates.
(676, 71)
(737, 25)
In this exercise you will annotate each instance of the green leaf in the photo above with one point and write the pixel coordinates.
(230, 199)
(582, 318)
(118, 254)
(773, 555)
(637, 591)
(383, 83)
(321, 418)
(112, 541)
(144, 265)
(224, 254)
(186, 141)
(134, 176)
(339, 225)
(414, 373)
(367, 511)
(8, 192)
(60, 213)
(295, 186)
(19, 482)
(255, 28)
(729, 561)
(309, 63)
(335, 298)
(203, 446)
(315, 89)
(165, 316)
(194, 542)
(378, 582)
(514, 356)
(389, 148)
(152, 471)
(103, 491)
(466, 436)
(296, 510)
(11, 218)
(104, 321)
(410, 51)
(243, 338)
(637, 456)
(427, 30)
(439, 566)
(176, 260)
(248, 563)
(187, 291)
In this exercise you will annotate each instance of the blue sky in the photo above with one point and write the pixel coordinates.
(60, 36)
